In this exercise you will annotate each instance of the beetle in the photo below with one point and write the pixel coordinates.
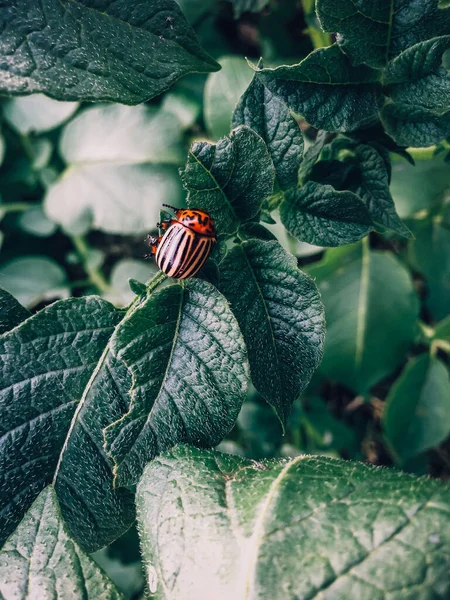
(186, 243)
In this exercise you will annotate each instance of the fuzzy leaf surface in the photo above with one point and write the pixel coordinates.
(41, 560)
(307, 527)
(372, 32)
(113, 51)
(189, 366)
(320, 215)
(326, 90)
(281, 318)
(371, 184)
(418, 87)
(48, 363)
(11, 312)
(229, 179)
(269, 116)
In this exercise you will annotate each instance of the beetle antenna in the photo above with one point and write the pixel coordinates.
(172, 207)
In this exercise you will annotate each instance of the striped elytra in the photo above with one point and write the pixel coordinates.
(186, 244)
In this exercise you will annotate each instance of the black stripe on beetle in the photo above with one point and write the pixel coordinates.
(186, 244)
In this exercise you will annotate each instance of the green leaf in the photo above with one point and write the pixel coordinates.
(188, 361)
(416, 126)
(442, 330)
(230, 179)
(418, 86)
(320, 215)
(307, 527)
(371, 310)
(326, 90)
(371, 184)
(41, 560)
(124, 134)
(280, 314)
(83, 51)
(59, 390)
(430, 254)
(311, 155)
(417, 413)
(37, 113)
(117, 155)
(420, 187)
(222, 93)
(32, 279)
(36, 222)
(269, 116)
(11, 311)
(372, 33)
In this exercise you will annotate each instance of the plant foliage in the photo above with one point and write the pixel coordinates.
(113, 376)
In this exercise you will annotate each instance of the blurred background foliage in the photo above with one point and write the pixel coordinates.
(81, 185)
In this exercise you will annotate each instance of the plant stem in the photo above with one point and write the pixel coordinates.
(155, 281)
(96, 277)
(319, 39)
(17, 206)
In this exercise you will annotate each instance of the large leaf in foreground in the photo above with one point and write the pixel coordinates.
(40, 560)
(269, 116)
(417, 413)
(280, 315)
(229, 179)
(320, 215)
(308, 527)
(189, 366)
(115, 51)
(371, 310)
(48, 364)
(326, 90)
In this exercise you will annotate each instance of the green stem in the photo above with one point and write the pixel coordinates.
(155, 281)
(422, 153)
(319, 38)
(17, 206)
(95, 275)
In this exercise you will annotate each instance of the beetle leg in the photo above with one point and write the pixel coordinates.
(165, 224)
(153, 242)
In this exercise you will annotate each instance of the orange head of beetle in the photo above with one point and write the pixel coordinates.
(195, 219)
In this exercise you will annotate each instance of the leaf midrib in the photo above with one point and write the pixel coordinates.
(269, 320)
(258, 531)
(361, 322)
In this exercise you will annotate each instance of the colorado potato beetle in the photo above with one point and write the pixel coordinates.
(186, 243)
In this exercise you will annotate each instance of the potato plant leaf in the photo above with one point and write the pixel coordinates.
(41, 560)
(417, 111)
(121, 166)
(417, 413)
(410, 95)
(320, 215)
(50, 364)
(115, 51)
(11, 312)
(269, 116)
(370, 181)
(365, 339)
(281, 318)
(307, 527)
(229, 179)
(375, 32)
(222, 92)
(327, 90)
(189, 366)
